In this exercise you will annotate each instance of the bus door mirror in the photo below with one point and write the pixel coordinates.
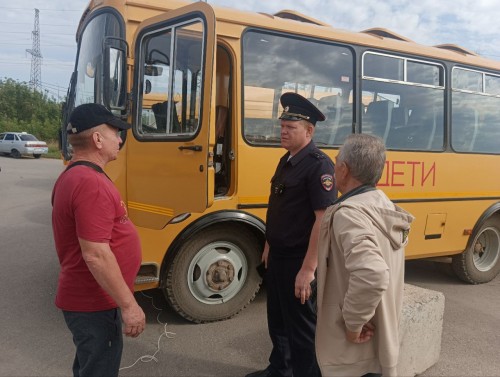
(115, 73)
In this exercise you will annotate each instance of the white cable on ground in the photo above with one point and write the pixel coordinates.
(167, 334)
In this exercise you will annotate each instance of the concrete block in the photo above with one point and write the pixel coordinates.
(420, 330)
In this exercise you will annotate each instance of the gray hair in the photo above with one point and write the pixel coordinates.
(365, 156)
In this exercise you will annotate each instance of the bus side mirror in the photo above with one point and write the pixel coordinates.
(115, 73)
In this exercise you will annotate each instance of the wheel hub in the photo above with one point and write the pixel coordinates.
(478, 249)
(219, 275)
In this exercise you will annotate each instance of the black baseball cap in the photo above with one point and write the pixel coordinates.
(296, 107)
(91, 115)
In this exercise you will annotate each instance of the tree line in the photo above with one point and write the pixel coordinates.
(22, 109)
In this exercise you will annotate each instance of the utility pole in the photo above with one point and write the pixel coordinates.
(36, 56)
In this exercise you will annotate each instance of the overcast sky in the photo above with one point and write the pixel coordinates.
(470, 24)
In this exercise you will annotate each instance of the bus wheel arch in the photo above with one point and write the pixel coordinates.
(480, 262)
(211, 275)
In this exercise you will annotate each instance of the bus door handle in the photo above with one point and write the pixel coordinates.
(196, 148)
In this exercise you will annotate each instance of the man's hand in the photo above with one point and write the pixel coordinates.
(134, 320)
(303, 284)
(364, 336)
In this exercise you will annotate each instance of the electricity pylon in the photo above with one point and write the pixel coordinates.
(36, 56)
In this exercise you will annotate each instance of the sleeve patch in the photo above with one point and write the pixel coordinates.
(327, 182)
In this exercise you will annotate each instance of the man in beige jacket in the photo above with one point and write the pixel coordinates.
(360, 268)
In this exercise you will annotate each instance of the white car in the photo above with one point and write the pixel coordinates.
(18, 144)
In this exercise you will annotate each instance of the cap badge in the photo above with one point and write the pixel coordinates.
(286, 108)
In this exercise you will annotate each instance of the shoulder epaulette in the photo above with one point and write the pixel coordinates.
(318, 155)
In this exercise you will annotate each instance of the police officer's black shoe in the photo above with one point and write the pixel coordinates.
(261, 373)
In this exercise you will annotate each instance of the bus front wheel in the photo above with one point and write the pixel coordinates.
(213, 275)
(480, 263)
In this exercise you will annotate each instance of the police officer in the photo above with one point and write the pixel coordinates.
(301, 189)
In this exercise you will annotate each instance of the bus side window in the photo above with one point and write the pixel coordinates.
(488, 135)
(464, 128)
(418, 128)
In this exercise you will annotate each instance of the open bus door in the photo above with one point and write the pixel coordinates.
(169, 167)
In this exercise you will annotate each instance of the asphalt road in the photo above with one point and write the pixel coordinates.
(34, 340)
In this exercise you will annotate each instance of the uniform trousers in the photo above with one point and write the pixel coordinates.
(292, 325)
(99, 342)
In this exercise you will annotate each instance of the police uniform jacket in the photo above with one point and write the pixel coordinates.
(299, 186)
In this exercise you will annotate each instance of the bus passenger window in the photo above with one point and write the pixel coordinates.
(408, 112)
(488, 133)
(464, 128)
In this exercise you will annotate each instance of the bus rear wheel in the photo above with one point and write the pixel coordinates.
(480, 263)
(213, 275)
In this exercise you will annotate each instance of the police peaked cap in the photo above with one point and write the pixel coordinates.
(296, 107)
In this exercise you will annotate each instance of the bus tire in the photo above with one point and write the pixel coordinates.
(480, 263)
(213, 275)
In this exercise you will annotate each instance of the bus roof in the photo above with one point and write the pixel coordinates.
(286, 20)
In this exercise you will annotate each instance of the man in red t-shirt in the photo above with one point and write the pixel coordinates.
(98, 246)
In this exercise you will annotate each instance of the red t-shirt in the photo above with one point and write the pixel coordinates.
(87, 205)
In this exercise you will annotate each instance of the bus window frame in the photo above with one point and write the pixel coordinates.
(484, 73)
(405, 61)
(173, 24)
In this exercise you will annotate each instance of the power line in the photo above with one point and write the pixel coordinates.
(53, 85)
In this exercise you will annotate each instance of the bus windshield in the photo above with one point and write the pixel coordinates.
(90, 65)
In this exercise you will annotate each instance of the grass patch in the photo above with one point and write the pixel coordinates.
(54, 151)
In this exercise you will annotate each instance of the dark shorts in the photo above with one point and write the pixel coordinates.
(99, 342)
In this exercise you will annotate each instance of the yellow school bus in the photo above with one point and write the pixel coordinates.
(201, 85)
